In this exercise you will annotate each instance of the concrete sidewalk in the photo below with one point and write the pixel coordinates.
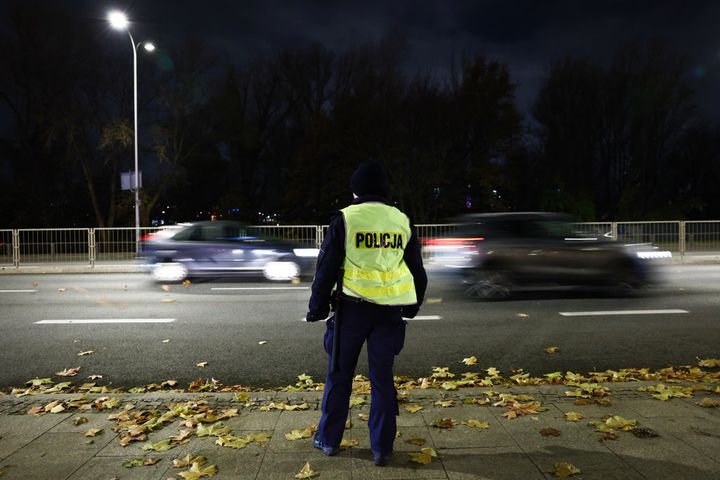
(52, 446)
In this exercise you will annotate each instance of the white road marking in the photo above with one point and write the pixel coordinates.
(18, 291)
(622, 312)
(105, 320)
(260, 288)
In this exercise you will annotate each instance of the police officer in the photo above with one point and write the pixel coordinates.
(375, 248)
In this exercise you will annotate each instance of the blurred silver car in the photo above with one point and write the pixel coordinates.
(222, 249)
(497, 254)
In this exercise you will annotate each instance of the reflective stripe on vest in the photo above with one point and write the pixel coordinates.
(375, 239)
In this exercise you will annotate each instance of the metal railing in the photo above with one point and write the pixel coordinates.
(93, 246)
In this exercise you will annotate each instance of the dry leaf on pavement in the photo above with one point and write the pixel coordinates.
(416, 441)
(68, 372)
(413, 408)
(93, 432)
(574, 416)
(196, 472)
(88, 352)
(550, 432)
(188, 460)
(709, 403)
(306, 472)
(563, 470)
(424, 456)
(346, 443)
(470, 360)
(202, 364)
(476, 424)
(552, 349)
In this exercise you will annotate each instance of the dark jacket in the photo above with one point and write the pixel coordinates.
(332, 256)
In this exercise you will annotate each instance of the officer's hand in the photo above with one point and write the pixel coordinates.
(409, 311)
(316, 317)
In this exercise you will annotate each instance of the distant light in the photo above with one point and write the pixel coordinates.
(149, 47)
(118, 20)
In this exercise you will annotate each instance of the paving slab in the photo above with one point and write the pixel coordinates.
(284, 466)
(106, 468)
(52, 456)
(665, 457)
(19, 430)
(657, 408)
(400, 467)
(493, 463)
(462, 436)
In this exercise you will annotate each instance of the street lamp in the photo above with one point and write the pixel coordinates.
(119, 21)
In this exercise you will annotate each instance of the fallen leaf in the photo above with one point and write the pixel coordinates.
(125, 287)
(95, 377)
(423, 457)
(93, 432)
(298, 434)
(574, 416)
(523, 315)
(709, 403)
(202, 364)
(166, 341)
(77, 421)
(354, 401)
(160, 446)
(168, 300)
(34, 284)
(710, 363)
(552, 349)
(36, 411)
(151, 461)
(137, 462)
(444, 403)
(363, 417)
(644, 432)
(550, 432)
(444, 423)
(413, 408)
(68, 372)
(470, 360)
(188, 460)
(186, 283)
(345, 443)
(61, 289)
(563, 470)
(88, 352)
(306, 472)
(476, 424)
(197, 472)
(36, 382)
(165, 287)
(262, 342)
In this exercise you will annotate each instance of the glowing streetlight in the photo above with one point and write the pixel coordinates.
(119, 21)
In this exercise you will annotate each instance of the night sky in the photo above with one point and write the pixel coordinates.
(526, 35)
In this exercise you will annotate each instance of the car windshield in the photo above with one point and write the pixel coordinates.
(211, 232)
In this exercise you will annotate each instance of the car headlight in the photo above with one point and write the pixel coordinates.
(306, 252)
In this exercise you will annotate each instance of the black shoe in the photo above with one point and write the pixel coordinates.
(329, 451)
(381, 460)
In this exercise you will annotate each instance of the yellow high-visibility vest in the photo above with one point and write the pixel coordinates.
(376, 235)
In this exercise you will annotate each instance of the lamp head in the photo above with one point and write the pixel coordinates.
(149, 46)
(118, 20)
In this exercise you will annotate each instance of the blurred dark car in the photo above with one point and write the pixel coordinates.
(222, 249)
(501, 253)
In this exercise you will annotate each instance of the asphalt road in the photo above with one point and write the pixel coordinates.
(224, 322)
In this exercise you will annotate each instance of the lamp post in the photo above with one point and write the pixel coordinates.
(119, 21)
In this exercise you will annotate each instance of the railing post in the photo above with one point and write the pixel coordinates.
(681, 237)
(318, 236)
(16, 248)
(613, 230)
(91, 246)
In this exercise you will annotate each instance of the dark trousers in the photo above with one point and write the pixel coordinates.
(384, 330)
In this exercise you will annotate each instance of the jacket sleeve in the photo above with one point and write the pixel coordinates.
(330, 260)
(413, 260)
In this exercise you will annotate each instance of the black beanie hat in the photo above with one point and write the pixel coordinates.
(369, 179)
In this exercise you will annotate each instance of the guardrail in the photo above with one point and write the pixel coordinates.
(110, 245)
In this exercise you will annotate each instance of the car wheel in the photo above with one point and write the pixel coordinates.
(281, 271)
(169, 272)
(488, 285)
